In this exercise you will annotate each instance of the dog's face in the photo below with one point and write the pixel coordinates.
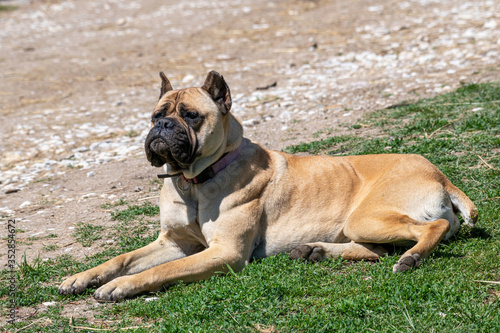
(189, 124)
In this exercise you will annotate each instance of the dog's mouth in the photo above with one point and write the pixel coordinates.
(175, 147)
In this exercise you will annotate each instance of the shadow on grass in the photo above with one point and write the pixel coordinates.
(471, 233)
(447, 254)
(480, 233)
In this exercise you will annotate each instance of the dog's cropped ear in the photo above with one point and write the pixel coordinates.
(165, 84)
(218, 90)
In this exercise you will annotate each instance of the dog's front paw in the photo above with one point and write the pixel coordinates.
(406, 263)
(77, 283)
(117, 289)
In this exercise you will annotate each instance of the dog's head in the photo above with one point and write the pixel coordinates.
(192, 128)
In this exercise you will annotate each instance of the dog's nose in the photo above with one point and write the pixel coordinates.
(165, 123)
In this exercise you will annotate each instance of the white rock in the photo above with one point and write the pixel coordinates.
(6, 210)
(81, 149)
(491, 24)
(121, 21)
(188, 78)
(250, 122)
(24, 204)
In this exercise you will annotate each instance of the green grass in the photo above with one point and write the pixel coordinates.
(87, 233)
(133, 211)
(48, 248)
(459, 132)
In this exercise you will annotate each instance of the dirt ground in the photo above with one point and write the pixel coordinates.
(78, 80)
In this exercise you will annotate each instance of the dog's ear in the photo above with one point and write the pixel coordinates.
(165, 84)
(218, 90)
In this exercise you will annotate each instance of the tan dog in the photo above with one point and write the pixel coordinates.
(227, 200)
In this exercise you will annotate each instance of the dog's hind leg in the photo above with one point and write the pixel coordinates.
(350, 251)
(398, 228)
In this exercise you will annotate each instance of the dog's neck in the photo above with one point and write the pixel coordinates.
(212, 170)
(203, 169)
(215, 168)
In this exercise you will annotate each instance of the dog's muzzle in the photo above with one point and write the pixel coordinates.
(171, 142)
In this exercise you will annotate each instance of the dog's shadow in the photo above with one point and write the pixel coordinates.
(465, 235)
(474, 233)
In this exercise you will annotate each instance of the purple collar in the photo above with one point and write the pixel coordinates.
(212, 170)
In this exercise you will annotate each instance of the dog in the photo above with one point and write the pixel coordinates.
(226, 200)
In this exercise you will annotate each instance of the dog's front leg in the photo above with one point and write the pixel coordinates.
(163, 249)
(215, 259)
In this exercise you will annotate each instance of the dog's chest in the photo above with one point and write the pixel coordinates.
(177, 215)
(176, 211)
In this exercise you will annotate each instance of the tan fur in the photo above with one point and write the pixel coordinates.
(268, 202)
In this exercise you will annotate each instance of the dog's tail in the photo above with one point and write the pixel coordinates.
(462, 203)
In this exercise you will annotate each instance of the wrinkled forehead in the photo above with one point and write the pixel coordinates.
(189, 97)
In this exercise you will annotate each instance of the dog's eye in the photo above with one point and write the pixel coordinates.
(191, 115)
(158, 115)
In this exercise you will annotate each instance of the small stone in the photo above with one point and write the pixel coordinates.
(224, 57)
(137, 189)
(250, 122)
(188, 78)
(24, 204)
(6, 210)
(91, 174)
(81, 149)
(491, 24)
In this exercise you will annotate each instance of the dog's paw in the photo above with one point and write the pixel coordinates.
(117, 289)
(301, 252)
(406, 263)
(77, 283)
(309, 253)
